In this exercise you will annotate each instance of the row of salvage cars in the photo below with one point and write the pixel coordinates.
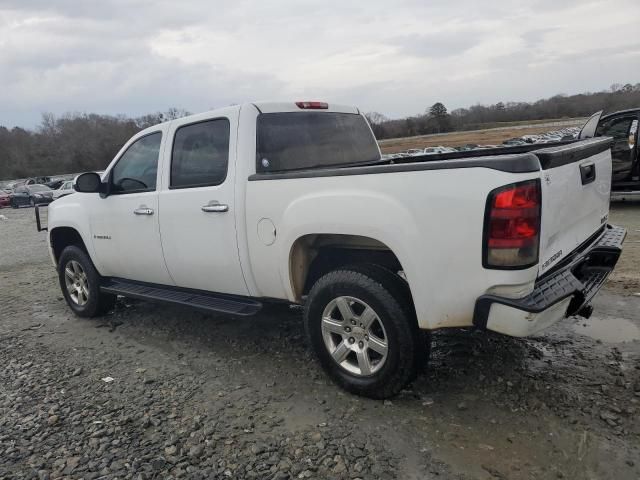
(31, 193)
(565, 134)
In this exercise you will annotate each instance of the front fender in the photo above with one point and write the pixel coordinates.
(67, 212)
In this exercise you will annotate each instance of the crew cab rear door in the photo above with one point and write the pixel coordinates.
(197, 211)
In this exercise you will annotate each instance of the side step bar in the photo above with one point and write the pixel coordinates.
(213, 302)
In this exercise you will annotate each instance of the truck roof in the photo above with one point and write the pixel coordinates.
(265, 107)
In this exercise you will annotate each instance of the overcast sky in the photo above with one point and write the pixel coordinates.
(394, 57)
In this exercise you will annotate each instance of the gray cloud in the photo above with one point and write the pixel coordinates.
(137, 56)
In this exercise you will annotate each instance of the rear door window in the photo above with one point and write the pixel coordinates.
(302, 140)
(200, 154)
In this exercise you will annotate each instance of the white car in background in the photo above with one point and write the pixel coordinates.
(65, 189)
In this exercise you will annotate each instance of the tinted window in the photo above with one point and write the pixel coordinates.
(137, 168)
(200, 154)
(289, 141)
(617, 128)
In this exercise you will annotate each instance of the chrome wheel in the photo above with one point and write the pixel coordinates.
(354, 336)
(75, 280)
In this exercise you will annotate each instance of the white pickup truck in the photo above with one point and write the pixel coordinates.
(262, 202)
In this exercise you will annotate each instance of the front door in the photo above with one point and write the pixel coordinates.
(197, 214)
(124, 225)
(624, 130)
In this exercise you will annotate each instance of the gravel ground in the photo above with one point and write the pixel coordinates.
(154, 391)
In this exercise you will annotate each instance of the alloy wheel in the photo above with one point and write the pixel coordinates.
(77, 284)
(354, 336)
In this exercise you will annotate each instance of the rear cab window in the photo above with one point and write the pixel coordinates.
(306, 140)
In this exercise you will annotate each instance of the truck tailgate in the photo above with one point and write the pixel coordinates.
(576, 184)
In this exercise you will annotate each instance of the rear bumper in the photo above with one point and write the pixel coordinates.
(557, 295)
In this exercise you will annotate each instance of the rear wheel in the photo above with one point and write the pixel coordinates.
(80, 284)
(362, 331)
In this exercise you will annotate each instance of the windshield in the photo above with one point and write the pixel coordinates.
(299, 140)
(39, 188)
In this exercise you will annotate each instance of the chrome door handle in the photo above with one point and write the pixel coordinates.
(215, 207)
(143, 211)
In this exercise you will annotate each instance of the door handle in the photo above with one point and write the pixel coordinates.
(214, 206)
(588, 173)
(143, 211)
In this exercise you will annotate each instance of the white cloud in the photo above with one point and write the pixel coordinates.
(136, 56)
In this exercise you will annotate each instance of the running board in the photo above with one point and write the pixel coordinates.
(214, 302)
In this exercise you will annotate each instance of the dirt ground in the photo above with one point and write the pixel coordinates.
(491, 136)
(154, 391)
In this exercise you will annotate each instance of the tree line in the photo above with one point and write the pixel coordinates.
(71, 143)
(78, 142)
(437, 119)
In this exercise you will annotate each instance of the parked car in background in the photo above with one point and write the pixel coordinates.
(415, 151)
(65, 189)
(37, 181)
(56, 183)
(514, 142)
(5, 198)
(34, 194)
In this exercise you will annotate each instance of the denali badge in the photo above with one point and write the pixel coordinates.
(102, 237)
(553, 258)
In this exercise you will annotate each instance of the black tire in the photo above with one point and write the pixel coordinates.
(399, 288)
(385, 293)
(98, 303)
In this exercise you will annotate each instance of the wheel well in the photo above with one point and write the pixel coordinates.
(62, 237)
(314, 255)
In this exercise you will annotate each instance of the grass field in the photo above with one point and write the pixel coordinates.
(489, 136)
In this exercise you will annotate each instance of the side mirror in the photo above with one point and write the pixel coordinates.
(89, 182)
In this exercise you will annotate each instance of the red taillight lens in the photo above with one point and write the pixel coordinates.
(512, 226)
(312, 105)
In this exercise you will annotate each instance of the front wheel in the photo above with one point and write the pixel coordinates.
(362, 331)
(80, 284)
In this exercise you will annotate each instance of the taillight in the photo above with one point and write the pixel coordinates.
(512, 226)
(312, 105)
